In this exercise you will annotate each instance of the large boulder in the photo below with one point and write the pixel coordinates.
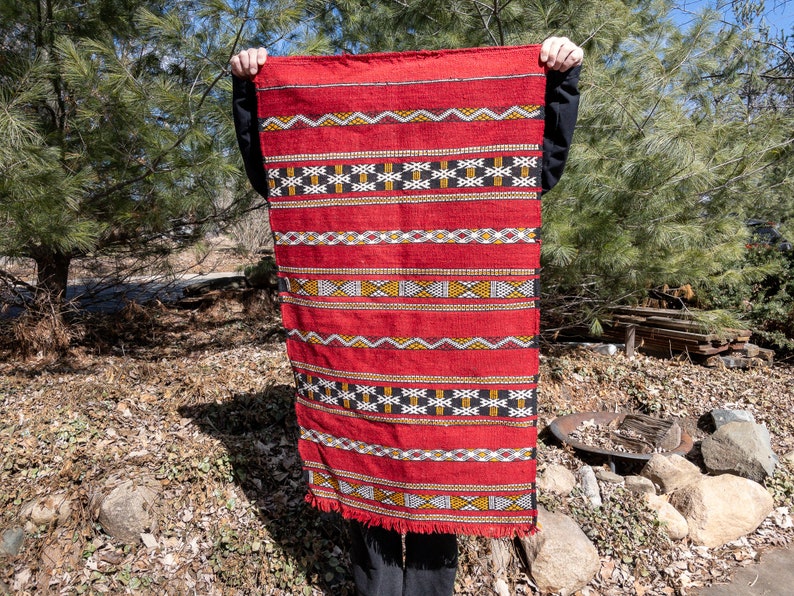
(670, 472)
(740, 448)
(561, 558)
(719, 509)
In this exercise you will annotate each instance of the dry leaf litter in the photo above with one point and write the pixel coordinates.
(201, 402)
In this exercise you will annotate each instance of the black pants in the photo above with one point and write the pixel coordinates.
(429, 567)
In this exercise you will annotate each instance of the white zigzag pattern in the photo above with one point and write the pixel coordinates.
(402, 343)
(359, 118)
(458, 455)
(371, 237)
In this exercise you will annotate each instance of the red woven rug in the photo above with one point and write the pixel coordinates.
(404, 201)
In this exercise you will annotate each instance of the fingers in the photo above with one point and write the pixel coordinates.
(247, 63)
(560, 53)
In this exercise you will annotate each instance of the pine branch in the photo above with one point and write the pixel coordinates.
(14, 281)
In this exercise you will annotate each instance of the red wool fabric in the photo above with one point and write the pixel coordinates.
(404, 194)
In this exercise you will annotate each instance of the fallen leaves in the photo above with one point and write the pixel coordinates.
(200, 403)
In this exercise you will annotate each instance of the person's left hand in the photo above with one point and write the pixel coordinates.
(560, 53)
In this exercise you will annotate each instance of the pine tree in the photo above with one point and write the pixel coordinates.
(115, 133)
(673, 147)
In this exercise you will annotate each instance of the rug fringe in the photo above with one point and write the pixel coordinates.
(435, 527)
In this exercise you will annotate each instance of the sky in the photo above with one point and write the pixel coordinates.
(779, 14)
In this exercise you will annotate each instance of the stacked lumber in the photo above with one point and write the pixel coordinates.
(668, 330)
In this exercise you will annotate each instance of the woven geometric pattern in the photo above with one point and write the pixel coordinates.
(411, 289)
(398, 117)
(404, 202)
(486, 236)
(388, 399)
(396, 176)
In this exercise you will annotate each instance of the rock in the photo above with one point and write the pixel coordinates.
(723, 417)
(674, 523)
(46, 510)
(557, 480)
(740, 448)
(788, 458)
(766, 355)
(640, 484)
(11, 542)
(562, 559)
(608, 477)
(149, 540)
(126, 510)
(782, 518)
(501, 587)
(589, 485)
(719, 509)
(670, 472)
(606, 349)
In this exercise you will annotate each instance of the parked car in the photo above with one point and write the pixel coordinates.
(767, 233)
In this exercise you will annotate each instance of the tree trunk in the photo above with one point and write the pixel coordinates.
(53, 276)
(42, 328)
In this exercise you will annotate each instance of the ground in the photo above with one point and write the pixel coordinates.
(202, 401)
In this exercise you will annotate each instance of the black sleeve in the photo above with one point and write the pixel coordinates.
(562, 107)
(246, 125)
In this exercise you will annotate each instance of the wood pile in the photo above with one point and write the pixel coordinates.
(673, 331)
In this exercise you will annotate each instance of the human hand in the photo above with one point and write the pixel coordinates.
(560, 53)
(247, 63)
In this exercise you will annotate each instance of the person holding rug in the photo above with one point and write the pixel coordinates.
(416, 425)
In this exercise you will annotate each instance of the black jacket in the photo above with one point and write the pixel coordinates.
(562, 107)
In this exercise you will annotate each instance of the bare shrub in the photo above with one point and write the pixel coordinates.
(41, 333)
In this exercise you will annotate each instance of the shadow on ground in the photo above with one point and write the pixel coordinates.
(260, 433)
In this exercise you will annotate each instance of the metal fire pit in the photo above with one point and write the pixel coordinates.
(563, 426)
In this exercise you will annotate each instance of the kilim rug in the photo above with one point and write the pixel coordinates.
(404, 201)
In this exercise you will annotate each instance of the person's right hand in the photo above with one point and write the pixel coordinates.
(247, 63)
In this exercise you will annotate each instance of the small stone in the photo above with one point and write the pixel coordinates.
(670, 472)
(46, 510)
(606, 349)
(127, 510)
(149, 541)
(12, 540)
(788, 458)
(557, 480)
(589, 485)
(723, 417)
(562, 559)
(640, 484)
(740, 448)
(719, 509)
(501, 587)
(782, 518)
(674, 523)
(608, 477)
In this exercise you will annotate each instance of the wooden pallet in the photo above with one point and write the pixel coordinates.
(671, 331)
